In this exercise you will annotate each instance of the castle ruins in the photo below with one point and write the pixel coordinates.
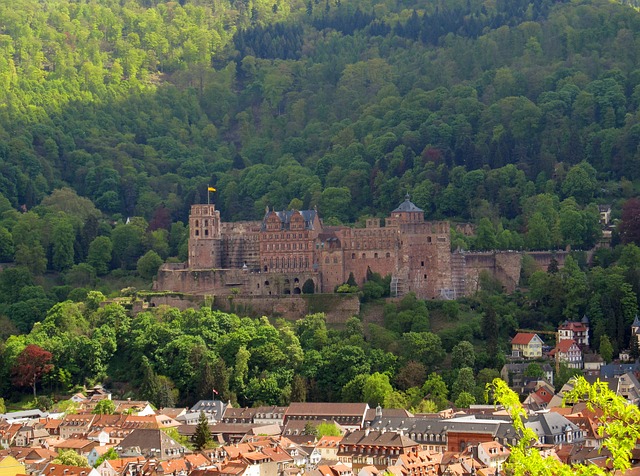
(291, 252)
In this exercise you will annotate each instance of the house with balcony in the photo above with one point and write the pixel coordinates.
(575, 331)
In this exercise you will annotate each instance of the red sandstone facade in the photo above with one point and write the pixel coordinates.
(279, 254)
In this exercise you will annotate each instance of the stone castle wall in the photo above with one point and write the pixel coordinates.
(336, 307)
(278, 255)
(231, 281)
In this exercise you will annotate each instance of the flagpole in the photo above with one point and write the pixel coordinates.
(208, 195)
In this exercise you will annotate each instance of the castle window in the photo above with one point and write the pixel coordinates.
(197, 222)
(206, 232)
(421, 263)
(326, 260)
(375, 255)
(364, 255)
(206, 223)
(335, 260)
(197, 232)
(428, 239)
(353, 256)
(388, 255)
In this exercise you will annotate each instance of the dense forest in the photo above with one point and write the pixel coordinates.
(520, 117)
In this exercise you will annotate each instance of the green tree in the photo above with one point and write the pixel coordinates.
(99, 255)
(425, 347)
(435, 389)
(104, 407)
(538, 233)
(149, 264)
(128, 242)
(619, 423)
(580, 182)
(70, 458)
(202, 437)
(465, 382)
(463, 355)
(7, 249)
(63, 237)
(376, 388)
(606, 349)
(335, 202)
(485, 236)
(327, 429)
(465, 400)
(534, 370)
(31, 257)
(110, 455)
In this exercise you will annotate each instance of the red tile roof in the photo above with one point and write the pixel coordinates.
(573, 326)
(523, 338)
(564, 345)
(66, 470)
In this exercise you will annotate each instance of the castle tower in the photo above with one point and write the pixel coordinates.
(204, 237)
(407, 212)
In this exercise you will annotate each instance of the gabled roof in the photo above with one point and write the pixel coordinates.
(329, 442)
(564, 346)
(147, 440)
(286, 215)
(119, 465)
(524, 338)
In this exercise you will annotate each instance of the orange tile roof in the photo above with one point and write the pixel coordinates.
(523, 338)
(119, 465)
(174, 465)
(197, 459)
(564, 345)
(66, 470)
(329, 442)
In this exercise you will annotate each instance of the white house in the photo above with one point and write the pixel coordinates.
(493, 454)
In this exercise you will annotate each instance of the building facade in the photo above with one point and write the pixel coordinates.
(292, 249)
(287, 249)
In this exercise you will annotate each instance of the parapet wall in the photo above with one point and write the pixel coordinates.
(336, 307)
(232, 281)
(502, 265)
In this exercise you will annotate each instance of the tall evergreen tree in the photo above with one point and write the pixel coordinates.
(202, 436)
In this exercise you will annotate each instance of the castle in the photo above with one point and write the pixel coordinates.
(291, 251)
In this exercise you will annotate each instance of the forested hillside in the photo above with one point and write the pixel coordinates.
(518, 116)
(331, 103)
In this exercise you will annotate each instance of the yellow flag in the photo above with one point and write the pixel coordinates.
(211, 189)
